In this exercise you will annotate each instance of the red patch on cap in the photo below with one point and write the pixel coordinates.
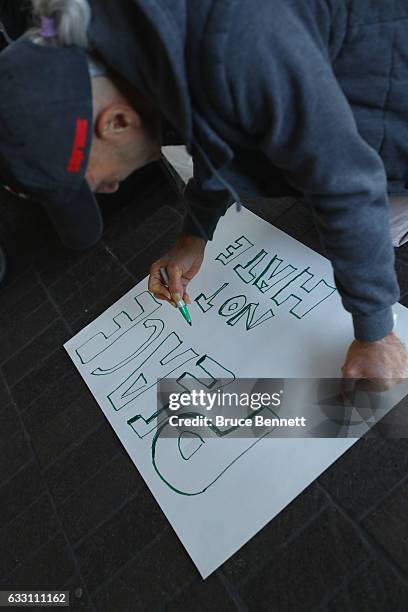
(78, 155)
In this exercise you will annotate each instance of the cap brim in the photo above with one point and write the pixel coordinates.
(77, 220)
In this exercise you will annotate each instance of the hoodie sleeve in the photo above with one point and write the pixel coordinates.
(204, 209)
(291, 106)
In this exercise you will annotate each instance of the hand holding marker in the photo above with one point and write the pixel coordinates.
(181, 305)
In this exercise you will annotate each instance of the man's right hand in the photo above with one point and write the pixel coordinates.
(378, 366)
(182, 263)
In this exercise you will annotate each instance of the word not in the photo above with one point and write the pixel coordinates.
(235, 309)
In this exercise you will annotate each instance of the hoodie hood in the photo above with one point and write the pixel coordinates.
(144, 41)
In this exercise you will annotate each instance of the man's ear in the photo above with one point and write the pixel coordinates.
(117, 121)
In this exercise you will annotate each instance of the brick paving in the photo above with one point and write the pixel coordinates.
(75, 513)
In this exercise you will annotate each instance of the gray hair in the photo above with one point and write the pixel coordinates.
(71, 19)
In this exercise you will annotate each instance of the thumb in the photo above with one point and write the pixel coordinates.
(176, 288)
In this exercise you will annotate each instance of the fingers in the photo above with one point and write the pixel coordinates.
(159, 290)
(373, 367)
(175, 274)
(156, 285)
(181, 266)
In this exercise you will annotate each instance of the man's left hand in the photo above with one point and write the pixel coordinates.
(384, 362)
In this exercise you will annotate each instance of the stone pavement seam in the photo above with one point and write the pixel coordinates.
(286, 543)
(54, 506)
(128, 563)
(383, 497)
(375, 548)
(67, 451)
(54, 303)
(232, 592)
(106, 518)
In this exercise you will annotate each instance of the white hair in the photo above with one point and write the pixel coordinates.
(71, 19)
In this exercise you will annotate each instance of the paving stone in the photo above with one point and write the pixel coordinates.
(58, 396)
(91, 293)
(86, 458)
(25, 228)
(401, 253)
(374, 588)
(129, 240)
(394, 425)
(25, 330)
(140, 265)
(404, 300)
(9, 423)
(53, 435)
(4, 394)
(14, 454)
(20, 308)
(402, 274)
(151, 580)
(309, 568)
(203, 596)
(54, 260)
(42, 377)
(79, 600)
(388, 525)
(47, 569)
(23, 536)
(23, 362)
(18, 293)
(366, 472)
(100, 497)
(19, 263)
(19, 492)
(80, 274)
(78, 321)
(264, 546)
(123, 536)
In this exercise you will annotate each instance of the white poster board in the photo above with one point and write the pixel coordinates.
(263, 306)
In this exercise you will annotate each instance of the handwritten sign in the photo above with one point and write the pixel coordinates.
(263, 306)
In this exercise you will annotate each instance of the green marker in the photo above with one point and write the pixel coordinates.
(181, 305)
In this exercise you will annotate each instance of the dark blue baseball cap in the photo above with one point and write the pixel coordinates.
(46, 126)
